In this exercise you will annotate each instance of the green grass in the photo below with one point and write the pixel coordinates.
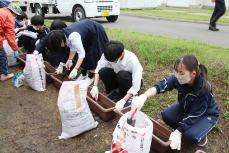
(192, 14)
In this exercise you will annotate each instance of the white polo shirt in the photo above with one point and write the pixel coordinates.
(129, 63)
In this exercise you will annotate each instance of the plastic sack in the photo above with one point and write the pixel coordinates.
(12, 61)
(34, 72)
(75, 114)
(18, 79)
(129, 139)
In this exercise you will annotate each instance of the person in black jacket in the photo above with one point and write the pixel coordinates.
(220, 9)
(196, 111)
(32, 34)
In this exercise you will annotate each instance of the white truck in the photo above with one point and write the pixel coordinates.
(77, 9)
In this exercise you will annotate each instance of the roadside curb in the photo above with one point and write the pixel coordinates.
(170, 19)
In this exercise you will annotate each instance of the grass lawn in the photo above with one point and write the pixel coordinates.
(157, 54)
(191, 14)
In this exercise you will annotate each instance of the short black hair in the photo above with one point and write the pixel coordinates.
(55, 38)
(113, 50)
(37, 20)
(22, 16)
(57, 24)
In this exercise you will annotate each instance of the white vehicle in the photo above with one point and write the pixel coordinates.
(78, 9)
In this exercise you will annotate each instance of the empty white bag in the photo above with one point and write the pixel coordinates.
(76, 116)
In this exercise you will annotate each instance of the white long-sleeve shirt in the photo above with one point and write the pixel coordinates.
(129, 63)
(74, 42)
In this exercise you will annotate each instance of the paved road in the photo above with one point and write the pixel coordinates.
(183, 30)
(193, 31)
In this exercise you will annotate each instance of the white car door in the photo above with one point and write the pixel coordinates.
(65, 6)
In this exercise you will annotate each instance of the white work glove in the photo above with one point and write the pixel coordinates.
(19, 34)
(120, 104)
(138, 102)
(60, 68)
(69, 64)
(73, 74)
(35, 52)
(175, 138)
(94, 92)
(16, 30)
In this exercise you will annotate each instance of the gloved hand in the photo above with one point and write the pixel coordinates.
(16, 53)
(69, 64)
(73, 74)
(19, 34)
(94, 92)
(16, 30)
(60, 68)
(35, 52)
(175, 138)
(138, 102)
(120, 104)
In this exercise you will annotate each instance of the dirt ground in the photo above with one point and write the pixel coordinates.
(30, 123)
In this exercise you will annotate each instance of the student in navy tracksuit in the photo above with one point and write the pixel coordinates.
(87, 38)
(196, 111)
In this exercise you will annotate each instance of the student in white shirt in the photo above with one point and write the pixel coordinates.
(121, 73)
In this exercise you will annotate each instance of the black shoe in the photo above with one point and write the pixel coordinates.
(212, 28)
(114, 95)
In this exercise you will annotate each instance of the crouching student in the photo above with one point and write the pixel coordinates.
(121, 73)
(53, 54)
(196, 111)
(86, 39)
(33, 33)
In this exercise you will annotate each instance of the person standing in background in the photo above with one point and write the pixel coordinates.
(220, 9)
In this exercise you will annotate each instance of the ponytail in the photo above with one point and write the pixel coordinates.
(204, 73)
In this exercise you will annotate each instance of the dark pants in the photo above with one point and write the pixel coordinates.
(3, 62)
(121, 80)
(174, 114)
(219, 10)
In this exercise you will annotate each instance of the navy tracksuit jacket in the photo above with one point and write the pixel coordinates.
(196, 112)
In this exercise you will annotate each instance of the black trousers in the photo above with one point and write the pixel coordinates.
(220, 9)
(121, 80)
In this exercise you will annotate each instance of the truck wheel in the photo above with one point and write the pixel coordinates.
(112, 18)
(78, 14)
(38, 10)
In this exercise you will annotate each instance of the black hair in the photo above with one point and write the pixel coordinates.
(191, 64)
(55, 38)
(113, 50)
(57, 24)
(22, 16)
(37, 20)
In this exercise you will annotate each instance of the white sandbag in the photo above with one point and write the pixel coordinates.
(12, 61)
(75, 114)
(34, 72)
(129, 139)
